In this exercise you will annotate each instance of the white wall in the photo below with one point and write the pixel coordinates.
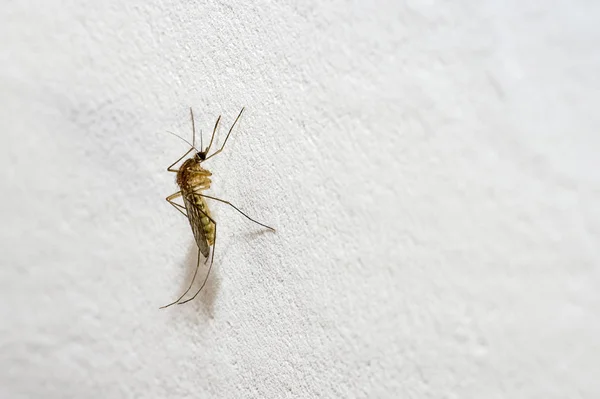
(432, 170)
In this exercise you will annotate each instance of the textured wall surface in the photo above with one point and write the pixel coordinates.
(432, 169)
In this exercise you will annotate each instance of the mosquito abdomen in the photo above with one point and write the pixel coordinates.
(207, 225)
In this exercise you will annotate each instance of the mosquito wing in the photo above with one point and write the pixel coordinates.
(195, 217)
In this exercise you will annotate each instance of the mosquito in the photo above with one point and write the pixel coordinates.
(192, 180)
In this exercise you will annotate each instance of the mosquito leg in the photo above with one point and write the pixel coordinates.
(236, 208)
(212, 259)
(180, 208)
(177, 206)
(189, 288)
(226, 138)
(213, 135)
(170, 168)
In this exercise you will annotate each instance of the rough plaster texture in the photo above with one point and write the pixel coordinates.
(432, 169)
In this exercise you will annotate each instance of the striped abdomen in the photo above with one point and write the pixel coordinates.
(207, 225)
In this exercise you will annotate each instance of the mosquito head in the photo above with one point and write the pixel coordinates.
(200, 156)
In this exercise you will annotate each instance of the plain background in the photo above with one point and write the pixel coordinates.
(431, 167)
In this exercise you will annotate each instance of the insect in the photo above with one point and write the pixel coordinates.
(192, 180)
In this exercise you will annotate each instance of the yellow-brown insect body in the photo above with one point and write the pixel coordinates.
(192, 176)
(191, 179)
(207, 225)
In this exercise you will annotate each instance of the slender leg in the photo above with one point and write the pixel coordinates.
(212, 259)
(189, 288)
(234, 207)
(213, 135)
(180, 208)
(170, 168)
(226, 138)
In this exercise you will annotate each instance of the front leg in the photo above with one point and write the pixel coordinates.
(170, 168)
(177, 206)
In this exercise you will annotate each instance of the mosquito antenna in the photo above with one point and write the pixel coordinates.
(201, 145)
(194, 130)
(181, 138)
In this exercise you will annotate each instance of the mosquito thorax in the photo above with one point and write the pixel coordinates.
(201, 156)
